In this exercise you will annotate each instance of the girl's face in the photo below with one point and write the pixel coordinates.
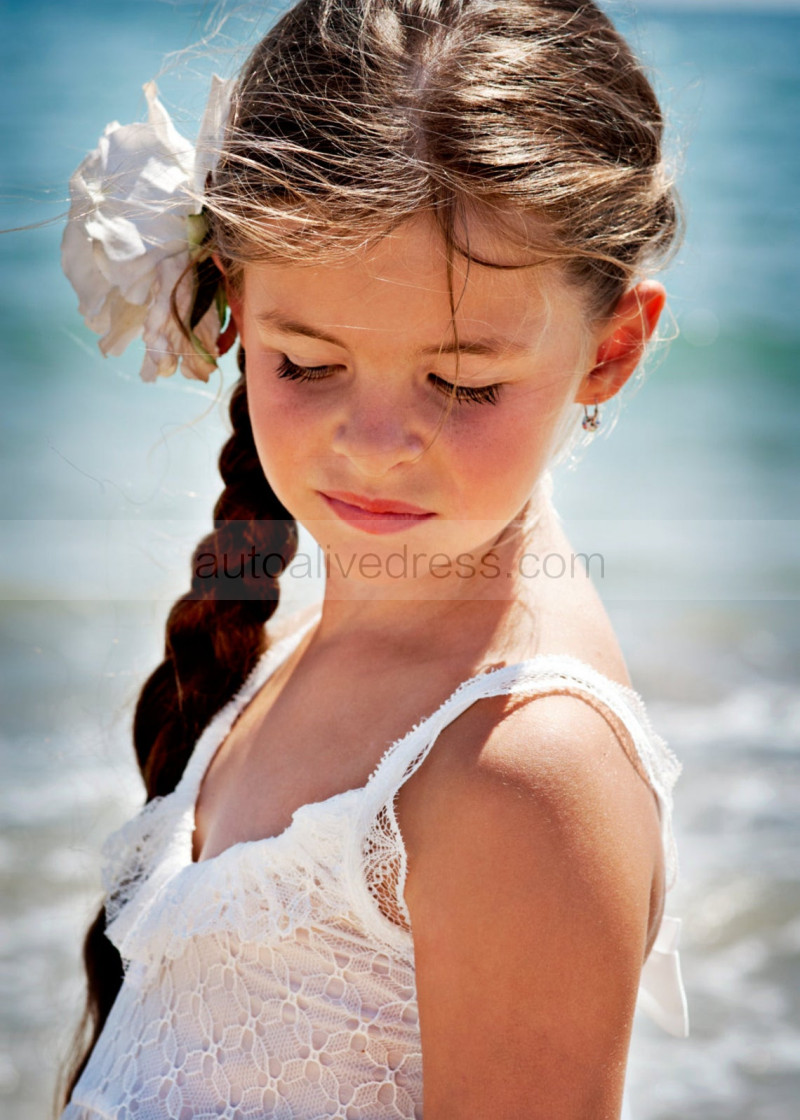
(349, 367)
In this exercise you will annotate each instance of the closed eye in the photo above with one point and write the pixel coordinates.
(483, 394)
(302, 373)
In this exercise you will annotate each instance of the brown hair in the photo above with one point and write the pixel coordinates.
(350, 117)
(354, 115)
(214, 636)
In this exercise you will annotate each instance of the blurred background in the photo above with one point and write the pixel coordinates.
(107, 483)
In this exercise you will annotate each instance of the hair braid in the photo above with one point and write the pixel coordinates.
(215, 633)
(214, 636)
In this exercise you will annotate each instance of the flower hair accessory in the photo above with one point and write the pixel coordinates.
(135, 227)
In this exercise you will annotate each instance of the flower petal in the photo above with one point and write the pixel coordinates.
(77, 261)
(159, 120)
(212, 130)
(119, 238)
(125, 323)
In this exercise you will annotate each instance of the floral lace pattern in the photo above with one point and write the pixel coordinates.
(277, 979)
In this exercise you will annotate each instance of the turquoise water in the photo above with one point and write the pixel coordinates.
(696, 489)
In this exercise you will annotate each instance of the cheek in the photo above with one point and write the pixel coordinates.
(488, 464)
(280, 426)
(498, 455)
(504, 439)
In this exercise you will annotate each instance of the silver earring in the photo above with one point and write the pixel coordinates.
(591, 421)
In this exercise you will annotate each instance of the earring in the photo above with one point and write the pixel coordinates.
(591, 421)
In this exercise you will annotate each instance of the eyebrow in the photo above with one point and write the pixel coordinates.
(490, 347)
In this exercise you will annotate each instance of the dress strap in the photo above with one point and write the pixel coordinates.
(376, 863)
(545, 675)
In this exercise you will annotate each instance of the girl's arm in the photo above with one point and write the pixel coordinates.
(535, 888)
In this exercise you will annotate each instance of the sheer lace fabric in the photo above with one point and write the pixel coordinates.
(277, 979)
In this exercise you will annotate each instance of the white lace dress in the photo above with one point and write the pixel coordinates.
(276, 980)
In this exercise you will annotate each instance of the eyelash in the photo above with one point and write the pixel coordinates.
(464, 394)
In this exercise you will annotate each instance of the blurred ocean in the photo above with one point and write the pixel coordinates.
(695, 495)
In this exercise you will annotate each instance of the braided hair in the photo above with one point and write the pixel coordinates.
(215, 634)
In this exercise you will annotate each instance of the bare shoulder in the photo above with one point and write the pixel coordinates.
(544, 774)
(534, 862)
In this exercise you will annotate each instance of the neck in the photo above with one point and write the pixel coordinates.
(480, 599)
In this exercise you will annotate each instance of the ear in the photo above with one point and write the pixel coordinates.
(622, 342)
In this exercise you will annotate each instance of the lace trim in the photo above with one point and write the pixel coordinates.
(343, 858)
(254, 899)
(377, 856)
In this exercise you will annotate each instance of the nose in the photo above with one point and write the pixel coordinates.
(378, 432)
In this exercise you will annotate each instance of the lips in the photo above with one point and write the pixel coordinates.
(375, 505)
(374, 515)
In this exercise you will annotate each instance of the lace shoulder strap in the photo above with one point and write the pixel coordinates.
(376, 858)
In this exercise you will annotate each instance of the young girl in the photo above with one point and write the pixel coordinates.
(406, 853)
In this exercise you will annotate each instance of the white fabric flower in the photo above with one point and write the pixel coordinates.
(132, 229)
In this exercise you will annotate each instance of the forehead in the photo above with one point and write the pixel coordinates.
(399, 286)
